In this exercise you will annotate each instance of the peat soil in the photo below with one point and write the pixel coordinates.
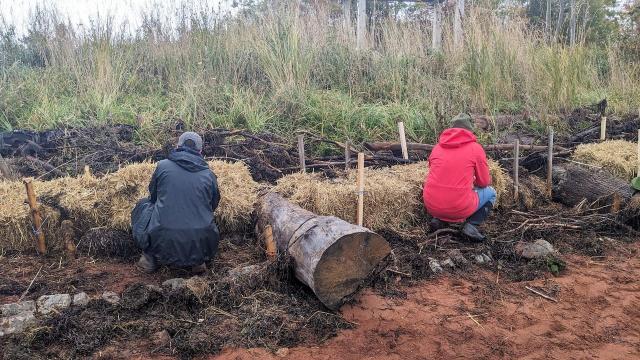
(266, 308)
(103, 149)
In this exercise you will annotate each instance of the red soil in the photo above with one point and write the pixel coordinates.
(597, 316)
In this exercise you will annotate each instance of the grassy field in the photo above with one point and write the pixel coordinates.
(289, 69)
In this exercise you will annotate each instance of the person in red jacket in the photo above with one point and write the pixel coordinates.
(457, 188)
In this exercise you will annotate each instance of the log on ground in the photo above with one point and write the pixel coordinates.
(331, 256)
(574, 184)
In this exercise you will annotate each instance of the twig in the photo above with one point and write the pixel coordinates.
(474, 320)
(29, 287)
(399, 272)
(541, 294)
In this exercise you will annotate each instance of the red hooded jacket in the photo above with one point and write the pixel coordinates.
(456, 165)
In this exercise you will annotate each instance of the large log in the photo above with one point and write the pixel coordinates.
(330, 255)
(395, 147)
(574, 184)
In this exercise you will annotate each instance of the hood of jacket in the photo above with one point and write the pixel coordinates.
(456, 137)
(188, 159)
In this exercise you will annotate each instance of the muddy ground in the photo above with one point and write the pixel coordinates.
(405, 305)
(481, 315)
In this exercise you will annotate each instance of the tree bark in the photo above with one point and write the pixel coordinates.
(560, 20)
(574, 184)
(361, 25)
(330, 255)
(388, 146)
(547, 22)
(572, 24)
(457, 24)
(436, 25)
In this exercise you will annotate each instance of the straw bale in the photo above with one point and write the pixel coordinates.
(107, 202)
(16, 226)
(393, 199)
(618, 157)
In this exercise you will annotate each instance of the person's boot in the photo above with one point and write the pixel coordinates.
(147, 264)
(472, 232)
(199, 269)
(436, 224)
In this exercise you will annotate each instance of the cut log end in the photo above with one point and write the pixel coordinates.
(345, 263)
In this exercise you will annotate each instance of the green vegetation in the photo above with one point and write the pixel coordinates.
(298, 67)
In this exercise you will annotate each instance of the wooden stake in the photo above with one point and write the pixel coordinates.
(269, 243)
(36, 217)
(603, 128)
(403, 140)
(347, 155)
(303, 165)
(360, 213)
(550, 163)
(516, 166)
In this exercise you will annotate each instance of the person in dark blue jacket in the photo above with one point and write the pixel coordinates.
(175, 225)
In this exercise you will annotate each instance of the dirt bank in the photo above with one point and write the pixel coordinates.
(480, 316)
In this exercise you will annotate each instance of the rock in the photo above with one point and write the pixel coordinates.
(282, 352)
(240, 271)
(535, 250)
(81, 299)
(176, 283)
(111, 297)
(457, 257)
(161, 338)
(53, 303)
(16, 323)
(479, 259)
(449, 263)
(435, 266)
(18, 308)
(486, 258)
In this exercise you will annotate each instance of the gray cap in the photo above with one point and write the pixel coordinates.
(190, 135)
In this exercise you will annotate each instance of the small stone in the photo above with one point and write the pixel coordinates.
(176, 283)
(161, 338)
(448, 263)
(457, 257)
(479, 259)
(53, 303)
(18, 308)
(240, 271)
(435, 266)
(81, 299)
(486, 258)
(535, 250)
(110, 297)
(282, 352)
(16, 323)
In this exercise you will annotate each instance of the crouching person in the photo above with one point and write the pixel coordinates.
(457, 188)
(175, 225)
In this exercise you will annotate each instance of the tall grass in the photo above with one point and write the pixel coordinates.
(289, 68)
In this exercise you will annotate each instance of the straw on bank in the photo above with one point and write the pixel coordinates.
(619, 157)
(393, 198)
(92, 202)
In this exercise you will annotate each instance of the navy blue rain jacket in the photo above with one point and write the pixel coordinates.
(176, 224)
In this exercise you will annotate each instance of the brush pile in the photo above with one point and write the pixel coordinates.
(92, 202)
(393, 196)
(619, 157)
